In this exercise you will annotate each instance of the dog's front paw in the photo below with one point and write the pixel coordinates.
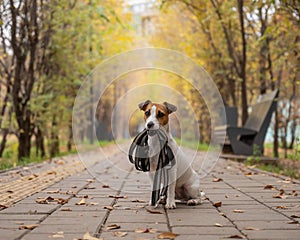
(171, 204)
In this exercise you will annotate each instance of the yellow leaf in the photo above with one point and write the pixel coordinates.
(30, 227)
(238, 211)
(119, 234)
(87, 236)
(167, 235)
(81, 202)
(113, 226)
(218, 225)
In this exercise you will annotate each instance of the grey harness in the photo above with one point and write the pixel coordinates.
(139, 156)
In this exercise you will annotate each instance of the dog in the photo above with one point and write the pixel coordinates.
(184, 182)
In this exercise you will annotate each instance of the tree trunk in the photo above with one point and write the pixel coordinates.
(275, 140)
(70, 138)
(242, 63)
(24, 145)
(40, 145)
(276, 125)
(54, 139)
(3, 141)
(24, 136)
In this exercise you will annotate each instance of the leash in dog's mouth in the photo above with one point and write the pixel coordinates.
(139, 155)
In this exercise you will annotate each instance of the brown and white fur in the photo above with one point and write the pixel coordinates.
(184, 182)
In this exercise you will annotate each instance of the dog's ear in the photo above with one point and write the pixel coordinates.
(143, 105)
(171, 108)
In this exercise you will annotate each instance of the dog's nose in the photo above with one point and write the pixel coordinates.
(150, 124)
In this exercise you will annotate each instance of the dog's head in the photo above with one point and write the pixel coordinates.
(155, 114)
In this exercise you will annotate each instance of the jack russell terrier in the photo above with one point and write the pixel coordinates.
(184, 182)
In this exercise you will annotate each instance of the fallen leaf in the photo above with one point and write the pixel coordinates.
(295, 216)
(61, 201)
(248, 174)
(142, 230)
(293, 222)
(217, 204)
(60, 162)
(281, 192)
(117, 196)
(138, 201)
(3, 206)
(33, 176)
(94, 204)
(236, 236)
(238, 211)
(280, 196)
(152, 230)
(218, 225)
(49, 172)
(167, 235)
(90, 180)
(81, 202)
(217, 179)
(119, 234)
(251, 228)
(112, 227)
(53, 191)
(281, 207)
(284, 181)
(46, 200)
(269, 186)
(87, 236)
(108, 207)
(30, 227)
(58, 235)
(153, 211)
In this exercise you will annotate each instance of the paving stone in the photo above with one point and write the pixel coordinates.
(203, 237)
(22, 217)
(53, 236)
(78, 226)
(205, 219)
(130, 227)
(129, 236)
(15, 224)
(31, 208)
(136, 216)
(75, 214)
(11, 233)
(266, 225)
(273, 234)
(256, 215)
(191, 230)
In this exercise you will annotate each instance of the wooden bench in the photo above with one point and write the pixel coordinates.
(244, 140)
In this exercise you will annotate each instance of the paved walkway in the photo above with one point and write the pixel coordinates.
(61, 200)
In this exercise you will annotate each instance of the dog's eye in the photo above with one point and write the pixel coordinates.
(160, 114)
(147, 113)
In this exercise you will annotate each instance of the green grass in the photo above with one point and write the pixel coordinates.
(290, 172)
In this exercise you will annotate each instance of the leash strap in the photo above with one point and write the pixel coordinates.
(141, 160)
